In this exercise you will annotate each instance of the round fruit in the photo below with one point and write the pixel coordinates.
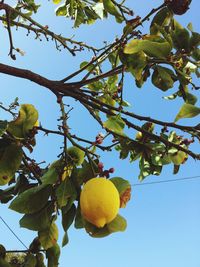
(76, 155)
(99, 201)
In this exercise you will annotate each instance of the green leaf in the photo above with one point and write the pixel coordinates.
(121, 184)
(178, 157)
(68, 217)
(154, 47)
(79, 221)
(10, 160)
(65, 240)
(53, 255)
(61, 10)
(161, 18)
(135, 62)
(65, 192)
(180, 37)
(115, 124)
(190, 98)
(31, 200)
(3, 127)
(52, 174)
(163, 78)
(187, 111)
(48, 237)
(25, 121)
(38, 221)
(117, 225)
(112, 9)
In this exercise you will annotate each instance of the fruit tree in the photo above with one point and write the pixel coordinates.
(153, 49)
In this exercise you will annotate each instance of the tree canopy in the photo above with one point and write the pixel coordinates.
(167, 55)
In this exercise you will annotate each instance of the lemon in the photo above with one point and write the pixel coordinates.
(99, 201)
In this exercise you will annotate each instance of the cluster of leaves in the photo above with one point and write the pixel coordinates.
(57, 189)
(88, 12)
(11, 259)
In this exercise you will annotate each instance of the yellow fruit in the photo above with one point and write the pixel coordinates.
(99, 201)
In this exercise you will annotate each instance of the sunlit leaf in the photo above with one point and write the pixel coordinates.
(187, 111)
(115, 124)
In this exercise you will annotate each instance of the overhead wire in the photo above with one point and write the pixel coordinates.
(166, 181)
(136, 184)
(13, 232)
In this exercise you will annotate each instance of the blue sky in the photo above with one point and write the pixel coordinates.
(163, 219)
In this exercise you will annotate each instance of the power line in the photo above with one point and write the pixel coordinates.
(167, 181)
(137, 184)
(13, 232)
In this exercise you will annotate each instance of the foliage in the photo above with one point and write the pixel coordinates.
(167, 55)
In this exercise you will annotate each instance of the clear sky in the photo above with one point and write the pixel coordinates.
(163, 219)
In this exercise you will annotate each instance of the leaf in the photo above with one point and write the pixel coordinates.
(65, 192)
(52, 174)
(10, 160)
(161, 18)
(178, 157)
(124, 188)
(117, 225)
(31, 200)
(146, 168)
(190, 98)
(111, 8)
(25, 121)
(48, 237)
(121, 184)
(53, 255)
(115, 124)
(135, 62)
(99, 8)
(65, 240)
(79, 221)
(187, 111)
(3, 127)
(163, 78)
(180, 37)
(158, 48)
(38, 221)
(68, 217)
(61, 10)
